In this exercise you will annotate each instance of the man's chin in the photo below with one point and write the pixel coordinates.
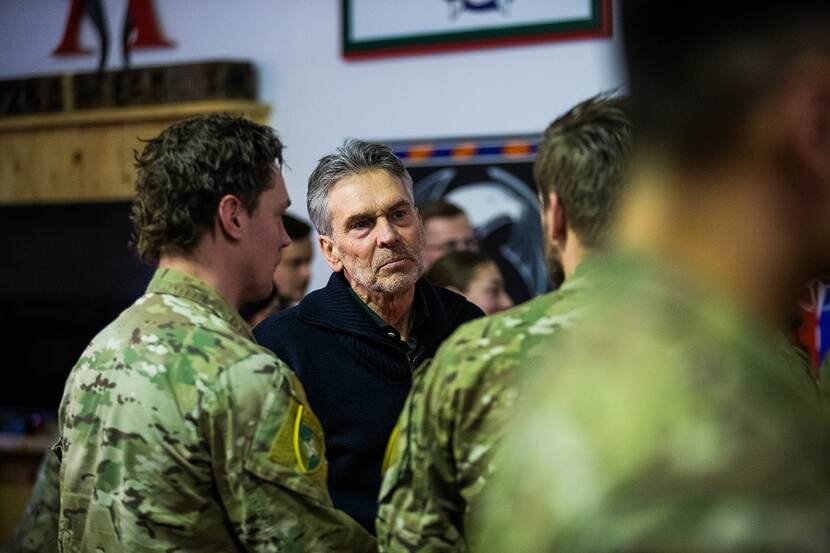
(396, 284)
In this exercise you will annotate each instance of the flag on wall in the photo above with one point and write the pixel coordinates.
(814, 332)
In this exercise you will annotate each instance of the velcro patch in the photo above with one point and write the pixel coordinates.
(300, 442)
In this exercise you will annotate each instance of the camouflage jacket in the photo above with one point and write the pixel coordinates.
(440, 456)
(665, 421)
(179, 433)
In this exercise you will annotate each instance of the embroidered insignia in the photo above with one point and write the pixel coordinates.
(308, 442)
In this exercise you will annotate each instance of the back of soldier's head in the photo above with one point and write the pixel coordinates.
(696, 70)
(581, 159)
(184, 172)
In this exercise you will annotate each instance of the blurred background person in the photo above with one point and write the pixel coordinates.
(294, 272)
(447, 229)
(474, 276)
(291, 277)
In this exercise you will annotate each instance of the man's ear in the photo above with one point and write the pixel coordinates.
(557, 225)
(231, 216)
(807, 113)
(330, 253)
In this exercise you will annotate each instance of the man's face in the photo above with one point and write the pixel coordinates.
(294, 271)
(448, 234)
(264, 239)
(377, 234)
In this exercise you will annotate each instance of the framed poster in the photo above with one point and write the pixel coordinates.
(491, 179)
(374, 28)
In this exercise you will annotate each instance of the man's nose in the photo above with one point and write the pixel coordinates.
(387, 234)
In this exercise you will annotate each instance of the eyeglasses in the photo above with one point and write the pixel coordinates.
(464, 244)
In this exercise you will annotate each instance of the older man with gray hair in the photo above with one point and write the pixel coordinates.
(356, 343)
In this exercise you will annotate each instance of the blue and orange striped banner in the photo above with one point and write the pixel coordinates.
(513, 149)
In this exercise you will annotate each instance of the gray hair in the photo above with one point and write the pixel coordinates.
(352, 158)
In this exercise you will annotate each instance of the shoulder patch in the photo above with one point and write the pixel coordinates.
(300, 441)
(308, 441)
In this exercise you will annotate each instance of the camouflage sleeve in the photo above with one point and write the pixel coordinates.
(423, 503)
(648, 455)
(270, 467)
(38, 531)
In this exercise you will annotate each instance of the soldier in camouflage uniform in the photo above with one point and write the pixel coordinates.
(669, 419)
(178, 432)
(440, 457)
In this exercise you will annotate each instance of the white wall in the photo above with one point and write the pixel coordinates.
(318, 98)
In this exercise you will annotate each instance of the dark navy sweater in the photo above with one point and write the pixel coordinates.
(357, 375)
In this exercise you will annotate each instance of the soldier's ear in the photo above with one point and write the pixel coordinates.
(556, 222)
(330, 253)
(231, 216)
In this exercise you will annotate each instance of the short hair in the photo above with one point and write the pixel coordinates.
(696, 75)
(439, 208)
(581, 158)
(456, 269)
(297, 229)
(352, 158)
(188, 168)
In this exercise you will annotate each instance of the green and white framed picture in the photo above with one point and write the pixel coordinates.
(373, 28)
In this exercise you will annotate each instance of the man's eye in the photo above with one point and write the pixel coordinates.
(399, 214)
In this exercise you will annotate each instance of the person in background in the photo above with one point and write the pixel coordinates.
(675, 416)
(474, 276)
(356, 343)
(291, 277)
(447, 229)
(177, 431)
(441, 456)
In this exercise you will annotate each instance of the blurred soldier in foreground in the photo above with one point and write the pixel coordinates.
(441, 455)
(178, 432)
(670, 418)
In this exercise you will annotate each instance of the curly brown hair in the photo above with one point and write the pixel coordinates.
(188, 168)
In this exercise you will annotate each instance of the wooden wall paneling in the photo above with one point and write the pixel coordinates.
(56, 165)
(87, 155)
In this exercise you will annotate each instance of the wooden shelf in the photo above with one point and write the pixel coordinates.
(86, 156)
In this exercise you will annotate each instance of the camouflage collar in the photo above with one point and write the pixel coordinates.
(175, 283)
